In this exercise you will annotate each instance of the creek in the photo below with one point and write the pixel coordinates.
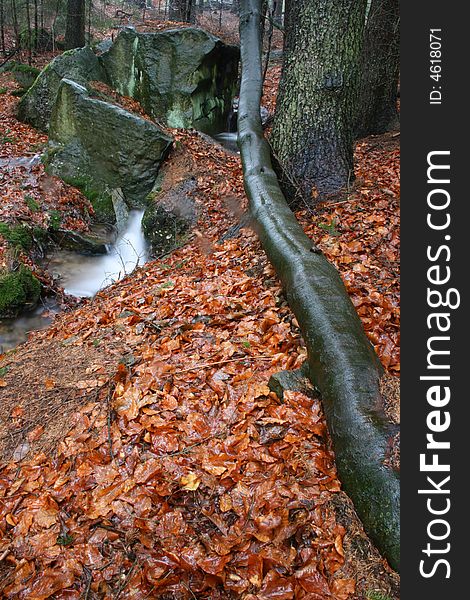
(83, 276)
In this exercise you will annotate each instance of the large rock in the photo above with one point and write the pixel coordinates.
(183, 77)
(80, 65)
(100, 147)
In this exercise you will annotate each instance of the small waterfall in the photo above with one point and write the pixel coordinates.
(228, 140)
(84, 276)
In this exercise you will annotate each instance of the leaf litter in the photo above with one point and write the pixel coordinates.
(175, 471)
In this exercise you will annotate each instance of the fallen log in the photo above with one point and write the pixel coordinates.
(342, 363)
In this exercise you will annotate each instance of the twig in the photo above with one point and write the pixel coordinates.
(189, 589)
(126, 580)
(9, 56)
(89, 579)
(108, 420)
(189, 448)
(221, 362)
(5, 553)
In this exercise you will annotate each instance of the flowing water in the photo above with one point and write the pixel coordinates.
(15, 331)
(228, 140)
(81, 276)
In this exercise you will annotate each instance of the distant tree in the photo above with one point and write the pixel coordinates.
(183, 10)
(2, 27)
(75, 27)
(380, 65)
(313, 129)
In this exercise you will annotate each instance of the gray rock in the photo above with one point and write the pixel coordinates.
(103, 46)
(80, 65)
(80, 242)
(183, 77)
(168, 217)
(100, 147)
(296, 381)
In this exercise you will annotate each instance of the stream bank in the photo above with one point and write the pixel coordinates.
(82, 275)
(152, 412)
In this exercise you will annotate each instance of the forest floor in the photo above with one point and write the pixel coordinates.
(143, 454)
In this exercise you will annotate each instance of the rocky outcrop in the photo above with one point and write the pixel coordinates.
(183, 77)
(80, 65)
(101, 147)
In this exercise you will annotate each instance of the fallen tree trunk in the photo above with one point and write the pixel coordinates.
(342, 362)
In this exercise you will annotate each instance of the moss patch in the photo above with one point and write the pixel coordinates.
(17, 236)
(18, 289)
(101, 201)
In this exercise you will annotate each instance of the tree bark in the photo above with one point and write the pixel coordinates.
(342, 362)
(2, 27)
(313, 130)
(380, 66)
(183, 10)
(278, 11)
(75, 27)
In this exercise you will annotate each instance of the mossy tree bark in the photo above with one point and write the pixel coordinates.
(75, 27)
(342, 362)
(380, 66)
(313, 128)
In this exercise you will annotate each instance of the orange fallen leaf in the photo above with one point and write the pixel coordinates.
(190, 482)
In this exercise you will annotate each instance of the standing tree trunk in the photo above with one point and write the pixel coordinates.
(75, 28)
(30, 41)
(36, 25)
(183, 10)
(313, 129)
(2, 27)
(278, 10)
(380, 65)
(15, 23)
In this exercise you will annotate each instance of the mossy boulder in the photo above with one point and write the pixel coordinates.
(183, 77)
(80, 65)
(100, 147)
(18, 290)
(25, 75)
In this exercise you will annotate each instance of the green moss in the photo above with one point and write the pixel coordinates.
(31, 203)
(22, 68)
(55, 219)
(18, 290)
(373, 595)
(7, 139)
(17, 236)
(3, 90)
(101, 201)
(25, 76)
